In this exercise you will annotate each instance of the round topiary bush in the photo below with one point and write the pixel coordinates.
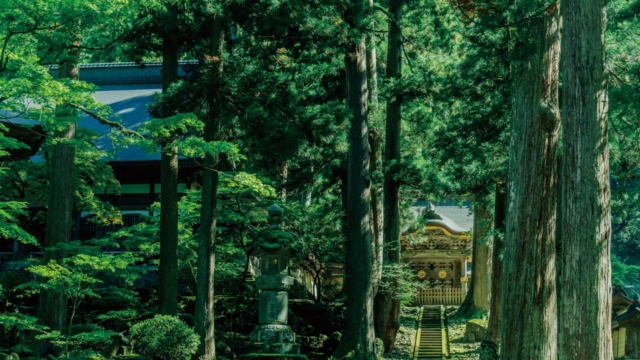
(164, 337)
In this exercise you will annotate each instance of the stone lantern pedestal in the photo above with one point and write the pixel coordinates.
(273, 338)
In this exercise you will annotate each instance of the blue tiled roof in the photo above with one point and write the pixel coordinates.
(129, 102)
(458, 218)
(126, 72)
(127, 88)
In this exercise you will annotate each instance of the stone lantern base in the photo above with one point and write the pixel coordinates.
(273, 342)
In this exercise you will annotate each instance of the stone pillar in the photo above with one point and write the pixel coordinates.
(274, 298)
(273, 335)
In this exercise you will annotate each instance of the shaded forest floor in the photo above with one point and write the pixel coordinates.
(406, 334)
(459, 348)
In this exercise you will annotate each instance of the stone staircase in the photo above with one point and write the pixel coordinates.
(429, 341)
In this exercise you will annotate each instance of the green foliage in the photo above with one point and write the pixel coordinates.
(22, 322)
(624, 274)
(12, 356)
(11, 211)
(79, 277)
(173, 126)
(623, 66)
(399, 280)
(271, 239)
(164, 337)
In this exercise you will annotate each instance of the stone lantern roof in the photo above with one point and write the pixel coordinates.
(274, 240)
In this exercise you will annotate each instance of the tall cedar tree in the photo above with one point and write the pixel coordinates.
(358, 334)
(377, 245)
(481, 258)
(529, 327)
(375, 161)
(477, 298)
(168, 268)
(53, 305)
(585, 302)
(499, 218)
(387, 308)
(204, 312)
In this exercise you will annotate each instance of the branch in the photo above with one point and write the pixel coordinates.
(615, 76)
(3, 64)
(106, 121)
(104, 47)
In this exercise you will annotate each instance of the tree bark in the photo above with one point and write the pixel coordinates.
(52, 307)
(482, 259)
(168, 268)
(467, 308)
(387, 314)
(499, 217)
(375, 161)
(585, 303)
(376, 213)
(477, 298)
(529, 328)
(358, 335)
(204, 308)
(372, 71)
(283, 183)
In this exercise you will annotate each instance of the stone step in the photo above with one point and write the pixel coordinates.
(429, 342)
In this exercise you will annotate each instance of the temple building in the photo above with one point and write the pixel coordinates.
(439, 252)
(127, 88)
(625, 325)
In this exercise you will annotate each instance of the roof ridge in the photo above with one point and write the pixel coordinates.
(128, 64)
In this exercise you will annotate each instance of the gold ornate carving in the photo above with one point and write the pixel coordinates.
(441, 243)
(442, 274)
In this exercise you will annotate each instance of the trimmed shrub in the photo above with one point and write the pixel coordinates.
(164, 337)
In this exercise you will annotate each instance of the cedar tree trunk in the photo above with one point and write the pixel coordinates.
(168, 268)
(482, 259)
(375, 161)
(372, 71)
(499, 217)
(387, 308)
(204, 311)
(358, 335)
(376, 212)
(467, 308)
(585, 303)
(477, 298)
(529, 324)
(53, 305)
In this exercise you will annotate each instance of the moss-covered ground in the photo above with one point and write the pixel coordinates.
(459, 349)
(406, 334)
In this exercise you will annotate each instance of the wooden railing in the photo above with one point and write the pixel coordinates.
(445, 296)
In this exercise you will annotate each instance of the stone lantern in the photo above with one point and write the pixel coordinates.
(273, 338)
